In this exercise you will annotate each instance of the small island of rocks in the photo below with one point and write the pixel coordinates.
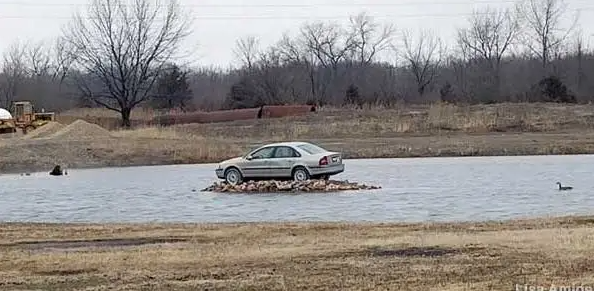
(274, 186)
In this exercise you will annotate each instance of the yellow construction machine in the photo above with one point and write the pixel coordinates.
(25, 118)
(7, 126)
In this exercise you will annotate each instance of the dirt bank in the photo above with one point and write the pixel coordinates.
(81, 144)
(435, 132)
(128, 149)
(297, 256)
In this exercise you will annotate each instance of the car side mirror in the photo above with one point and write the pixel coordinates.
(249, 158)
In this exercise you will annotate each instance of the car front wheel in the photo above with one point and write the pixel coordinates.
(300, 174)
(233, 176)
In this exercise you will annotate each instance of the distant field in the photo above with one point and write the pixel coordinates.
(298, 256)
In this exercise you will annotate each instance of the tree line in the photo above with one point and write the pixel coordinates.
(121, 56)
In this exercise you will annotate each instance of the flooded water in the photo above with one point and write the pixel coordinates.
(429, 189)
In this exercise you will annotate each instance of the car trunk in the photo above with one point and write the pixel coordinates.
(334, 158)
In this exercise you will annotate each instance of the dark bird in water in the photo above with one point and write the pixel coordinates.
(57, 171)
(561, 188)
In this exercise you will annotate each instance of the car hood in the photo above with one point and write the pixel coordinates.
(231, 161)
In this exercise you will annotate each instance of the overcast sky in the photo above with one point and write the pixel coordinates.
(219, 23)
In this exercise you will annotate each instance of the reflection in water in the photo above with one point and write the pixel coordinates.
(435, 189)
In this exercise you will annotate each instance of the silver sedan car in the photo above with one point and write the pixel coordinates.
(297, 160)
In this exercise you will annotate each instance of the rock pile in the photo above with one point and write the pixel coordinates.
(270, 186)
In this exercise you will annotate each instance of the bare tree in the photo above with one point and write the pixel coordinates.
(291, 50)
(369, 38)
(545, 32)
(247, 50)
(123, 47)
(272, 83)
(579, 52)
(488, 38)
(14, 73)
(329, 43)
(423, 57)
(490, 35)
(296, 52)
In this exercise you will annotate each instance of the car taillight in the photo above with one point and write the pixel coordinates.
(323, 161)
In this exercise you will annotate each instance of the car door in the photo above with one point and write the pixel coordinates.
(282, 162)
(259, 165)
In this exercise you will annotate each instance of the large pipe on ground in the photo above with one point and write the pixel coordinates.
(266, 111)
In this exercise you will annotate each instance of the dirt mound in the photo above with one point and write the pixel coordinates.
(81, 129)
(45, 130)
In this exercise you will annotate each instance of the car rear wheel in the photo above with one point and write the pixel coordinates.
(233, 176)
(300, 174)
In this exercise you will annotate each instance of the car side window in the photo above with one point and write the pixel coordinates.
(285, 152)
(265, 153)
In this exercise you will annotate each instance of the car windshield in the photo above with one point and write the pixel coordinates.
(311, 149)
(252, 150)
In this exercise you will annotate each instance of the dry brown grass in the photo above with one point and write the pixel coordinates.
(438, 130)
(429, 120)
(381, 122)
(298, 256)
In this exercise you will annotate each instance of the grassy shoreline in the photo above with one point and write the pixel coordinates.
(492, 255)
(35, 168)
(41, 156)
(423, 131)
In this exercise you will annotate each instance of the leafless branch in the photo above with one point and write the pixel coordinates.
(330, 43)
(247, 50)
(62, 61)
(291, 51)
(39, 59)
(369, 38)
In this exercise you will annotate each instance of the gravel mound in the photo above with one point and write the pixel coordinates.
(45, 130)
(81, 129)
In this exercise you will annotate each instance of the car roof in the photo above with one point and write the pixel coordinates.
(288, 143)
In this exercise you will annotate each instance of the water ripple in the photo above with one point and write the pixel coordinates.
(435, 189)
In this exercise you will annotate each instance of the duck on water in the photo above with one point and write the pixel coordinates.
(562, 188)
(57, 171)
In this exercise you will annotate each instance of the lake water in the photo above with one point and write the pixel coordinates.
(424, 189)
